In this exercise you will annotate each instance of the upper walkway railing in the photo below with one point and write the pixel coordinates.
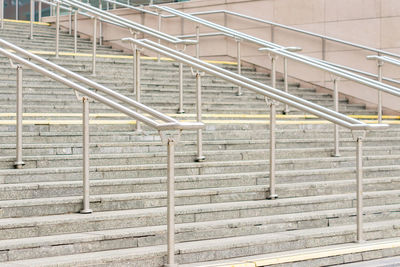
(276, 49)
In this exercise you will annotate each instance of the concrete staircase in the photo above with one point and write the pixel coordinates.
(222, 210)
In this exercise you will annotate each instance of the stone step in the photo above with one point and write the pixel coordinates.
(55, 161)
(208, 145)
(207, 250)
(119, 186)
(155, 235)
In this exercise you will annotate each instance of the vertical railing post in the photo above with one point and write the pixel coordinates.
(358, 136)
(180, 110)
(100, 25)
(336, 137)
(16, 9)
(171, 203)
(40, 11)
(272, 148)
(19, 163)
(94, 46)
(137, 82)
(272, 123)
(200, 156)
(134, 47)
(198, 42)
(380, 65)
(159, 40)
(76, 31)
(273, 70)
(85, 155)
(70, 23)
(239, 64)
(32, 18)
(272, 33)
(57, 29)
(286, 82)
(2, 13)
(323, 48)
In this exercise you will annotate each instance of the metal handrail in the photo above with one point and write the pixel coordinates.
(125, 22)
(257, 87)
(167, 123)
(89, 83)
(272, 94)
(132, 7)
(324, 37)
(275, 49)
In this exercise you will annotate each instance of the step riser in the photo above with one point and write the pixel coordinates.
(159, 238)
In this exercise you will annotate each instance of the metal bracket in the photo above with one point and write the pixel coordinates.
(270, 101)
(12, 64)
(358, 134)
(273, 56)
(195, 73)
(78, 97)
(180, 47)
(334, 77)
(133, 32)
(137, 48)
(170, 136)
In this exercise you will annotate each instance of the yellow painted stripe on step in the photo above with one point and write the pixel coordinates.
(351, 249)
(191, 115)
(50, 53)
(68, 122)
(311, 254)
(27, 22)
(375, 117)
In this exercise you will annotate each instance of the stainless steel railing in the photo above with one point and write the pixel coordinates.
(274, 50)
(272, 96)
(324, 38)
(239, 37)
(98, 16)
(380, 60)
(170, 129)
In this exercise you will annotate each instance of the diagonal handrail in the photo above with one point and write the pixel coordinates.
(275, 50)
(164, 127)
(358, 128)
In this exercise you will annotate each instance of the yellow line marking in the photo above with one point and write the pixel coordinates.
(314, 254)
(191, 115)
(122, 122)
(50, 53)
(27, 22)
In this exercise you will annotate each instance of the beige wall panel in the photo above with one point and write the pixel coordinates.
(339, 10)
(364, 32)
(298, 11)
(390, 8)
(390, 32)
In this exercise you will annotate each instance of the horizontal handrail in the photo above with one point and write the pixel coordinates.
(382, 52)
(265, 90)
(132, 7)
(125, 22)
(362, 72)
(278, 49)
(385, 59)
(337, 71)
